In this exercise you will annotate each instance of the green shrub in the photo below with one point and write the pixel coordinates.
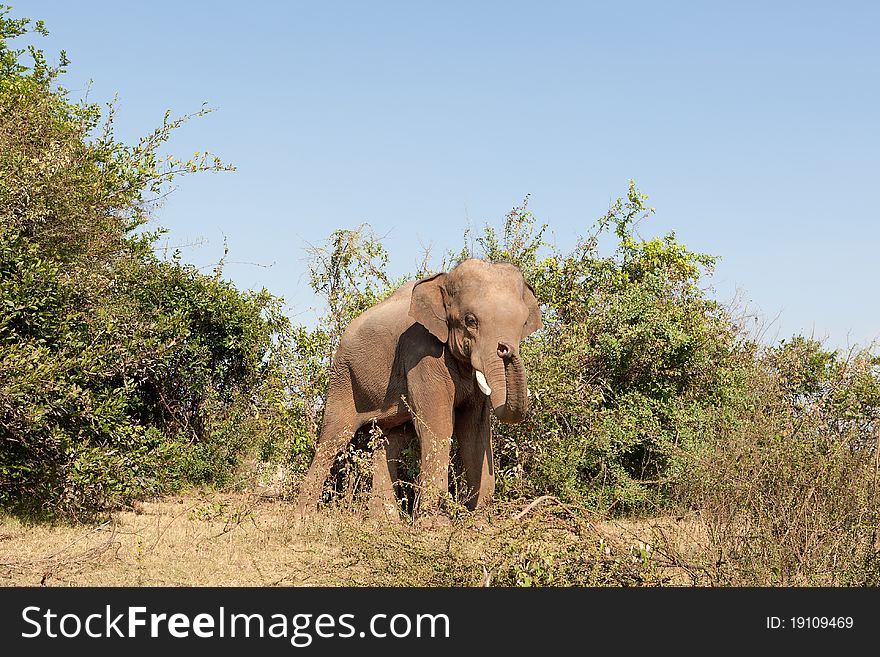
(634, 363)
(120, 374)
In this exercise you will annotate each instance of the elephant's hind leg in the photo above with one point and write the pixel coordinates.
(340, 425)
(386, 459)
(334, 438)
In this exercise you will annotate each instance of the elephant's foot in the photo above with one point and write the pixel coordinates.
(306, 511)
(307, 503)
(432, 511)
(432, 521)
(480, 520)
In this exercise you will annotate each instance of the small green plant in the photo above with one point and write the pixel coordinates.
(535, 569)
(210, 510)
(548, 549)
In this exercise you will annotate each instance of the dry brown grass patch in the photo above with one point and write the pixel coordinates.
(214, 539)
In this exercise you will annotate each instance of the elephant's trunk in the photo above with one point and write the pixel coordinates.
(509, 394)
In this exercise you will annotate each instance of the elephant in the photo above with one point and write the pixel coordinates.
(441, 353)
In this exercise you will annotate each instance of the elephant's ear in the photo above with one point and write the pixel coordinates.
(428, 305)
(533, 323)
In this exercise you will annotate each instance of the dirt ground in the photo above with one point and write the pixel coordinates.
(225, 539)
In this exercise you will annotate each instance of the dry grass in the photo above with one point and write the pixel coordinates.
(214, 539)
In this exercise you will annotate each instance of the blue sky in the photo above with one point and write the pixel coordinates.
(752, 126)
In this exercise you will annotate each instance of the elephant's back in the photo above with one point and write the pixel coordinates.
(390, 314)
(367, 354)
(377, 330)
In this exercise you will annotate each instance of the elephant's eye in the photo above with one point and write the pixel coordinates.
(470, 321)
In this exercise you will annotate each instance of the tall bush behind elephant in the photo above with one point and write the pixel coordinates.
(347, 273)
(634, 364)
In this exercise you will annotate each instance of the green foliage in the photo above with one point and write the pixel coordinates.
(348, 273)
(632, 366)
(557, 560)
(120, 374)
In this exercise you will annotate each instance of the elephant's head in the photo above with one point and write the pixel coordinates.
(482, 311)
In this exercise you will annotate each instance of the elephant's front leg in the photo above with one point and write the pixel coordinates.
(474, 434)
(431, 397)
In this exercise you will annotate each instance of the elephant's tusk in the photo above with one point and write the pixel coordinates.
(481, 381)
